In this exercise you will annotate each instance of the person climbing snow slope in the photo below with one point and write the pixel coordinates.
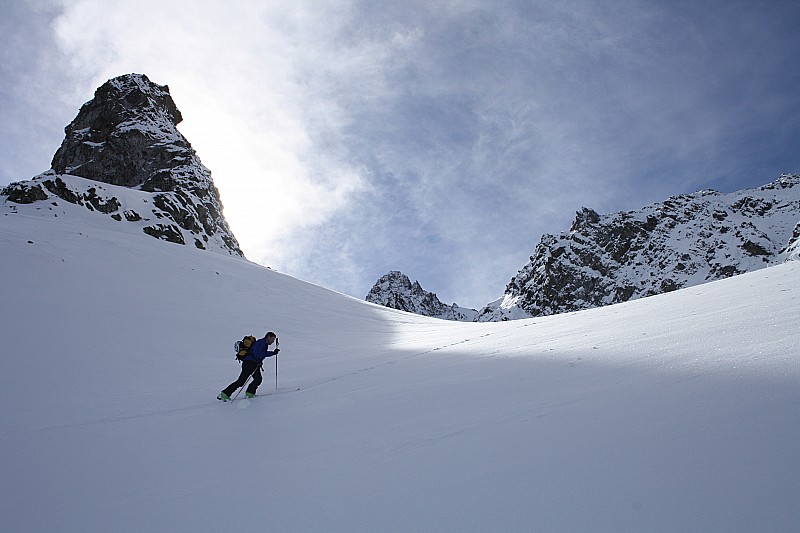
(251, 366)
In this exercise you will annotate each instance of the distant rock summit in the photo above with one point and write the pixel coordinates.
(395, 290)
(125, 137)
(606, 259)
(686, 240)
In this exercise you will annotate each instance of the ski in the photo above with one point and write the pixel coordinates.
(270, 393)
(273, 393)
(279, 391)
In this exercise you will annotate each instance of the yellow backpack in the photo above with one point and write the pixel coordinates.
(242, 347)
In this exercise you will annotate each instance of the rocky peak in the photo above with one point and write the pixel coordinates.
(584, 219)
(686, 240)
(395, 290)
(126, 137)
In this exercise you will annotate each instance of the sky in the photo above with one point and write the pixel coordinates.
(438, 138)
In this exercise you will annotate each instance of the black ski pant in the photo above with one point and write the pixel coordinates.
(248, 368)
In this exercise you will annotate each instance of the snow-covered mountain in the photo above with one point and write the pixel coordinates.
(672, 413)
(685, 241)
(396, 291)
(605, 259)
(123, 158)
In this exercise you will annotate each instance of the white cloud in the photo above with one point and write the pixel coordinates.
(349, 138)
(246, 76)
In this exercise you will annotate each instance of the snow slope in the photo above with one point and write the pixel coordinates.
(679, 412)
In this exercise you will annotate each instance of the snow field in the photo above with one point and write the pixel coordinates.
(672, 413)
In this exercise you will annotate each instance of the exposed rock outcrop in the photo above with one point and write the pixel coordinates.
(395, 290)
(126, 137)
(684, 241)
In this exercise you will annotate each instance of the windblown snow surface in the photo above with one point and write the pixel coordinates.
(679, 412)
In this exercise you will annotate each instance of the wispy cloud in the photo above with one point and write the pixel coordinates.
(246, 76)
(440, 138)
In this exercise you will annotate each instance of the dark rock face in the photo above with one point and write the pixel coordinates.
(606, 259)
(126, 137)
(792, 250)
(684, 241)
(24, 193)
(395, 290)
(167, 232)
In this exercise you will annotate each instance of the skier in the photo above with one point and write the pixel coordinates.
(251, 365)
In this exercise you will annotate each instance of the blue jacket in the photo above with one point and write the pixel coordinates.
(259, 351)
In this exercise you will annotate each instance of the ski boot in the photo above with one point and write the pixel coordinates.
(224, 397)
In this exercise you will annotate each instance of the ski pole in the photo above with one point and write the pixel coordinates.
(245, 384)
